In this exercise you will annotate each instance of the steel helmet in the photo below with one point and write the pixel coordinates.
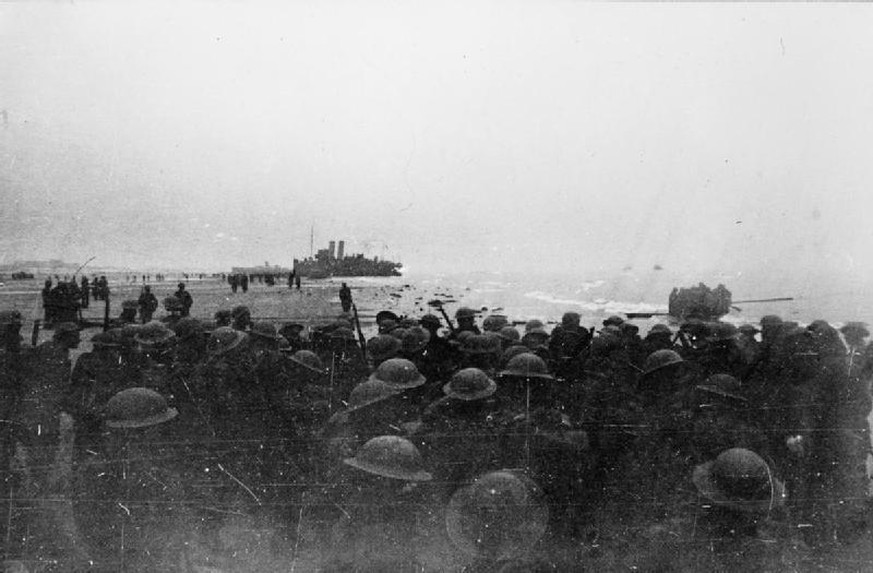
(494, 322)
(527, 365)
(398, 373)
(748, 329)
(739, 479)
(308, 360)
(430, 320)
(391, 457)
(770, 320)
(154, 334)
(397, 333)
(721, 331)
(383, 346)
(514, 351)
(532, 324)
(384, 315)
(367, 393)
(129, 331)
(415, 339)
(509, 334)
(478, 344)
(224, 339)
(188, 327)
(661, 329)
(465, 312)
(264, 330)
(108, 339)
(613, 320)
(500, 515)
(660, 359)
(470, 384)
(137, 408)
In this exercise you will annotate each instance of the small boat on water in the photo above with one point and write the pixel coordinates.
(701, 303)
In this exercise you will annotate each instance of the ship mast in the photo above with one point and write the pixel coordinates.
(311, 238)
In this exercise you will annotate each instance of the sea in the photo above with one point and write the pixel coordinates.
(521, 296)
(546, 296)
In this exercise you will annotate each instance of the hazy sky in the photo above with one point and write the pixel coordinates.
(468, 135)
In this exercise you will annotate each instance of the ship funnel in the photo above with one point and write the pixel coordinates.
(331, 249)
(340, 249)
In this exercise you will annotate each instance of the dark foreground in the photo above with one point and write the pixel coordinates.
(498, 449)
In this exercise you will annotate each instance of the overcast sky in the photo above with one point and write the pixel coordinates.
(469, 135)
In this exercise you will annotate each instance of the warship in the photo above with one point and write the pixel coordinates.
(333, 262)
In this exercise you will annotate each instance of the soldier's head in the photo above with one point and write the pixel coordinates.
(571, 320)
(181, 286)
(466, 317)
(67, 334)
(855, 333)
(147, 288)
(431, 323)
(242, 317)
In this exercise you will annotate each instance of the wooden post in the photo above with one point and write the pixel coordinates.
(34, 336)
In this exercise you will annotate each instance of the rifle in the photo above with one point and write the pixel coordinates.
(438, 304)
(361, 339)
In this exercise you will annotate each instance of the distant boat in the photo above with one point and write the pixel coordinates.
(658, 268)
(333, 263)
(700, 302)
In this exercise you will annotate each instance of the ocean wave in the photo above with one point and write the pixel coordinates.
(600, 304)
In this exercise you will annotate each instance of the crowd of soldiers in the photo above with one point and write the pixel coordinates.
(707, 447)
(63, 298)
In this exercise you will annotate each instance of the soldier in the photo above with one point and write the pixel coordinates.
(241, 317)
(292, 332)
(567, 342)
(97, 377)
(659, 337)
(466, 410)
(85, 292)
(148, 304)
(384, 508)
(47, 303)
(466, 319)
(494, 322)
(244, 283)
(500, 516)
(743, 516)
(130, 503)
(381, 348)
(185, 297)
(345, 295)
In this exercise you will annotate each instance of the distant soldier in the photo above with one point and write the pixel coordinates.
(47, 306)
(185, 297)
(234, 283)
(244, 283)
(148, 304)
(291, 279)
(86, 294)
(297, 281)
(345, 295)
(466, 318)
